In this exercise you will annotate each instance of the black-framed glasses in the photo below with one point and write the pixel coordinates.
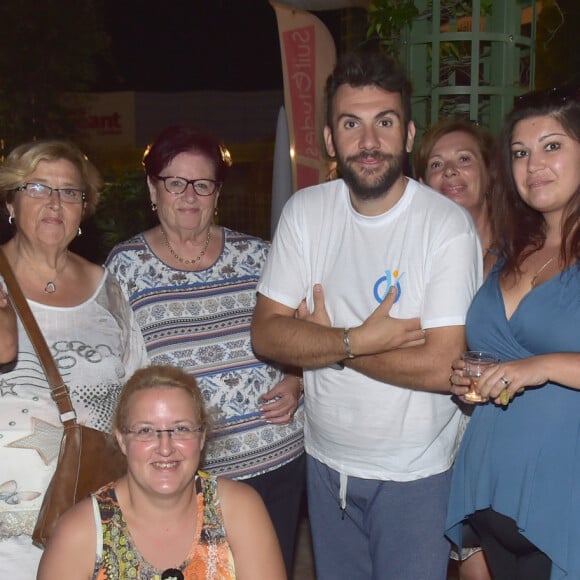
(43, 191)
(549, 97)
(148, 434)
(178, 185)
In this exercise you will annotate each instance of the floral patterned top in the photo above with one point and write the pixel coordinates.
(200, 321)
(209, 558)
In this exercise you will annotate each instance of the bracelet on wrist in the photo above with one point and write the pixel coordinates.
(346, 339)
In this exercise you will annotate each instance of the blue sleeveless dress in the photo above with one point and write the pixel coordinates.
(524, 460)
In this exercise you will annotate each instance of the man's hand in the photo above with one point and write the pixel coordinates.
(381, 333)
(378, 333)
(319, 314)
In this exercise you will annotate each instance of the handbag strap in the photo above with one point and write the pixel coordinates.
(58, 388)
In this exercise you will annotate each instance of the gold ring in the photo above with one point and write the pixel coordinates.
(504, 397)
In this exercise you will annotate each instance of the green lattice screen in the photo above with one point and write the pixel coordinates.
(470, 65)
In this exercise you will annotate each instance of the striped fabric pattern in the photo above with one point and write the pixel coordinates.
(200, 321)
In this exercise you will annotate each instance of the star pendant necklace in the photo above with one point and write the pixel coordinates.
(186, 260)
(50, 287)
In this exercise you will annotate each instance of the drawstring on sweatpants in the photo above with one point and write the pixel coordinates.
(342, 492)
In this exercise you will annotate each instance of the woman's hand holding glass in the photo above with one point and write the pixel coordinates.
(476, 363)
(501, 382)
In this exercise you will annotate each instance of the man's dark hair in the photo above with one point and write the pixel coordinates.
(368, 67)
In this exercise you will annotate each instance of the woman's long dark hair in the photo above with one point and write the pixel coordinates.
(520, 229)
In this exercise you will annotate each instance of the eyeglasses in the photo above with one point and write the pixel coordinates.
(180, 433)
(549, 97)
(178, 185)
(42, 191)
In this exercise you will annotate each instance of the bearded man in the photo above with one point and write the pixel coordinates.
(366, 287)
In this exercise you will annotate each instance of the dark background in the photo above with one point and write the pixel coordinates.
(184, 45)
(61, 46)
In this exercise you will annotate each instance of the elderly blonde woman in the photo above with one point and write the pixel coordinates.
(48, 187)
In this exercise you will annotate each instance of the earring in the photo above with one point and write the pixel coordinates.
(79, 233)
(10, 219)
(215, 212)
(153, 206)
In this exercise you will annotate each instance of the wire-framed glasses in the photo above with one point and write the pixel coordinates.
(43, 191)
(178, 185)
(146, 433)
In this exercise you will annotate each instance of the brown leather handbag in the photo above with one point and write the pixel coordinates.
(88, 458)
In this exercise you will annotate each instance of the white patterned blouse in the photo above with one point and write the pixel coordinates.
(200, 321)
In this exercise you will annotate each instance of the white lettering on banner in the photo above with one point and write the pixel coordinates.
(301, 57)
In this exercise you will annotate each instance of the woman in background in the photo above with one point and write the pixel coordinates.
(453, 157)
(48, 187)
(192, 285)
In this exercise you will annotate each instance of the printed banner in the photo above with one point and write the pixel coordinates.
(109, 119)
(308, 57)
(282, 171)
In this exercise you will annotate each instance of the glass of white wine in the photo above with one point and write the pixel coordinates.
(475, 364)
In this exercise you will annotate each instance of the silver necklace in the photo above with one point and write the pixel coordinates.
(185, 260)
(50, 287)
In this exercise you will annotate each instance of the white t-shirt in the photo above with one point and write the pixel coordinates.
(428, 247)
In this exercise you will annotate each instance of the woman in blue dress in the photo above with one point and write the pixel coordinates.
(517, 475)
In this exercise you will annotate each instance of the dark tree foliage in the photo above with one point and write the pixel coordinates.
(558, 57)
(48, 49)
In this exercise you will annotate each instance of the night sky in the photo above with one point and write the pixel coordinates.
(183, 45)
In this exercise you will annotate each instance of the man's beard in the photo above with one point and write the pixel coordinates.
(378, 184)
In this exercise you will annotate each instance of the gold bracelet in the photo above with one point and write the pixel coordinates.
(346, 339)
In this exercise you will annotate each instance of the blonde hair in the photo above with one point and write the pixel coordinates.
(23, 160)
(158, 377)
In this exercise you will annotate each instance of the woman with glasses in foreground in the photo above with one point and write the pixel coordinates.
(164, 518)
(517, 474)
(48, 187)
(192, 285)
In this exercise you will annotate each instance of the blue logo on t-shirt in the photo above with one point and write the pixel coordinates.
(383, 284)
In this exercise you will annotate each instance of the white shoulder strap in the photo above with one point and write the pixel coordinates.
(99, 528)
